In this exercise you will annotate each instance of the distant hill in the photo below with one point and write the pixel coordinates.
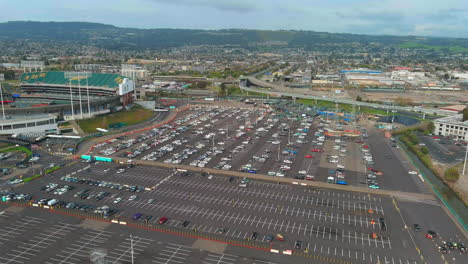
(115, 38)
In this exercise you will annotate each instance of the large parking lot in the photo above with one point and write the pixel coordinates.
(257, 140)
(180, 216)
(318, 221)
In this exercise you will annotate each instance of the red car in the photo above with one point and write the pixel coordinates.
(366, 147)
(429, 236)
(316, 150)
(359, 141)
(162, 220)
(309, 156)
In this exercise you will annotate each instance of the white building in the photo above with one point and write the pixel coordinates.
(451, 126)
(37, 125)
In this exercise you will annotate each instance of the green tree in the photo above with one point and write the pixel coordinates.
(425, 150)
(465, 114)
(431, 127)
(222, 90)
(413, 139)
(452, 174)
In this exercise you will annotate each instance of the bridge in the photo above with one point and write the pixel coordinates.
(253, 84)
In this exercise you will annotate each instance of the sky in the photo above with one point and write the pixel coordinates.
(376, 17)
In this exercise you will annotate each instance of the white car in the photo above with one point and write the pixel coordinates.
(413, 172)
(302, 172)
(117, 200)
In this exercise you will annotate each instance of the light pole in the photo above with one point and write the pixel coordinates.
(71, 100)
(131, 247)
(87, 91)
(1, 96)
(466, 155)
(81, 103)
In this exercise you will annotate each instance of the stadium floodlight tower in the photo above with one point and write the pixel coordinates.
(78, 76)
(2, 78)
(32, 65)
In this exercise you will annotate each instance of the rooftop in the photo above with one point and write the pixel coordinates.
(453, 120)
(96, 79)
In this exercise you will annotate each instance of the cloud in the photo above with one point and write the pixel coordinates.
(452, 14)
(222, 5)
(376, 16)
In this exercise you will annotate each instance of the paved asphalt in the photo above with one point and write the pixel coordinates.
(334, 226)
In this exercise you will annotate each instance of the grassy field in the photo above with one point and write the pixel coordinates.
(16, 149)
(135, 115)
(346, 107)
(410, 45)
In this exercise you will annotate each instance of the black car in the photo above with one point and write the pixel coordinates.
(222, 230)
(383, 226)
(462, 249)
(185, 223)
(231, 179)
(416, 227)
(443, 249)
(432, 233)
(450, 245)
(254, 235)
(298, 244)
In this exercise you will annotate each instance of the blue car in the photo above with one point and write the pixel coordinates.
(252, 171)
(341, 182)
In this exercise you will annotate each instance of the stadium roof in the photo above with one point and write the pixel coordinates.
(96, 79)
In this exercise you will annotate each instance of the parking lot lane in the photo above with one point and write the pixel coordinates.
(173, 254)
(123, 251)
(79, 251)
(9, 232)
(220, 258)
(26, 251)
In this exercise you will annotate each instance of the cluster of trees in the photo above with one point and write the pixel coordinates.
(465, 114)
(452, 174)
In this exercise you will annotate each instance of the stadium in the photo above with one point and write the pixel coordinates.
(44, 98)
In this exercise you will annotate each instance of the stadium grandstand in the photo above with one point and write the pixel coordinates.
(42, 94)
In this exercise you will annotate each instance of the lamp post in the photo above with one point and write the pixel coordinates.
(466, 155)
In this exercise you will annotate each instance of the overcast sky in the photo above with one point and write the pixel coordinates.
(394, 17)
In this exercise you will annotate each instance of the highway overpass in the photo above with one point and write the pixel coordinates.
(253, 84)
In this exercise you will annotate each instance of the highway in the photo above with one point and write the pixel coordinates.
(283, 91)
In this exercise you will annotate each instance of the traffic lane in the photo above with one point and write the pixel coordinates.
(395, 176)
(432, 217)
